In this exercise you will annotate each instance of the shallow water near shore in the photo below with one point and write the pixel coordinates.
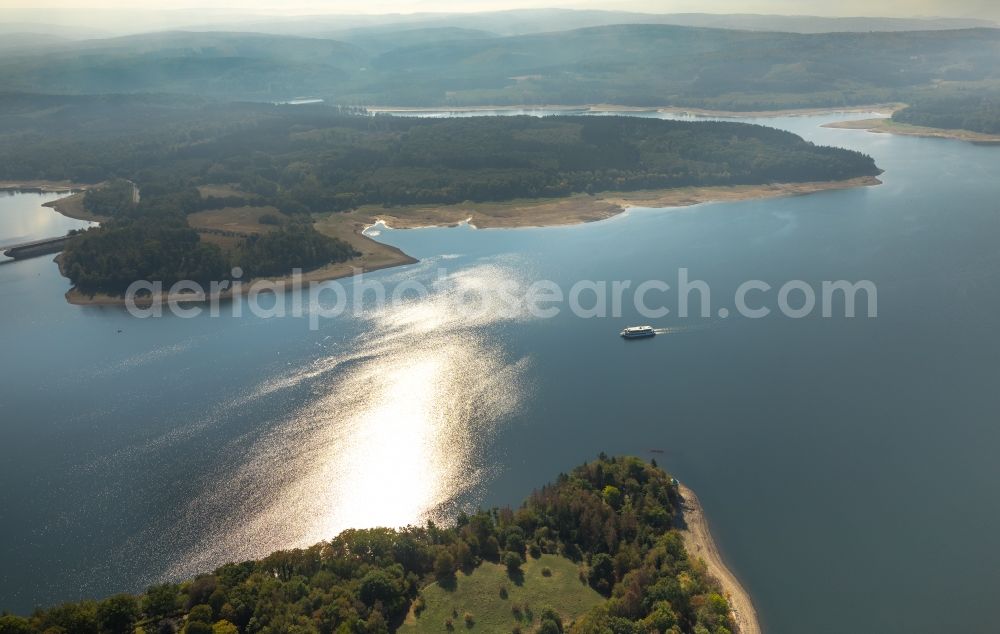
(847, 466)
(23, 219)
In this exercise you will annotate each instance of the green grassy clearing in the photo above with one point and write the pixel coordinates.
(478, 594)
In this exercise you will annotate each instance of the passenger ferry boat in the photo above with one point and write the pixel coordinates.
(636, 332)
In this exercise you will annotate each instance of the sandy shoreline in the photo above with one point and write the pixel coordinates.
(72, 207)
(42, 186)
(699, 543)
(575, 209)
(374, 255)
(390, 257)
(887, 108)
(580, 208)
(322, 274)
(888, 126)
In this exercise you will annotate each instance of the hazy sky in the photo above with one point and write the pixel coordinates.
(903, 8)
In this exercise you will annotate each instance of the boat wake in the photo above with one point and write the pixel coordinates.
(676, 330)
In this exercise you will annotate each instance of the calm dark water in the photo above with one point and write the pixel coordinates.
(848, 466)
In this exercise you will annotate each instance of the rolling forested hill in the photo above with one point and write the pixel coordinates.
(638, 64)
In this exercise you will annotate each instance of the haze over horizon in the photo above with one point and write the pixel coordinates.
(984, 9)
(95, 19)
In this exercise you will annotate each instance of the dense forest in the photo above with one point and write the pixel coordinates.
(632, 64)
(614, 517)
(151, 240)
(296, 245)
(976, 112)
(113, 256)
(321, 159)
(314, 159)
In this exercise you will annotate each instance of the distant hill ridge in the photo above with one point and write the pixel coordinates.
(632, 64)
(79, 24)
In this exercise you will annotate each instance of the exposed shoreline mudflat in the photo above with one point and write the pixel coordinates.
(569, 210)
(374, 257)
(323, 274)
(580, 208)
(604, 107)
(72, 207)
(700, 544)
(42, 186)
(888, 126)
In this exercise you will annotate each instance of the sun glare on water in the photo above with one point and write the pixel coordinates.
(393, 433)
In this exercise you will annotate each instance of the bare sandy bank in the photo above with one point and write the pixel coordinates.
(699, 543)
(374, 256)
(886, 108)
(880, 108)
(888, 126)
(42, 186)
(579, 208)
(72, 207)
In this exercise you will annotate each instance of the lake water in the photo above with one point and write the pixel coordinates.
(23, 219)
(848, 466)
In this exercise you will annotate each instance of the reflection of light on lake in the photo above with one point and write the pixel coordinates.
(391, 436)
(23, 218)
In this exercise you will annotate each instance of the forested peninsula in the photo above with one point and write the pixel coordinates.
(604, 543)
(260, 186)
(967, 117)
(975, 112)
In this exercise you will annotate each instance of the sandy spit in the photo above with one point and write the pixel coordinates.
(699, 543)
